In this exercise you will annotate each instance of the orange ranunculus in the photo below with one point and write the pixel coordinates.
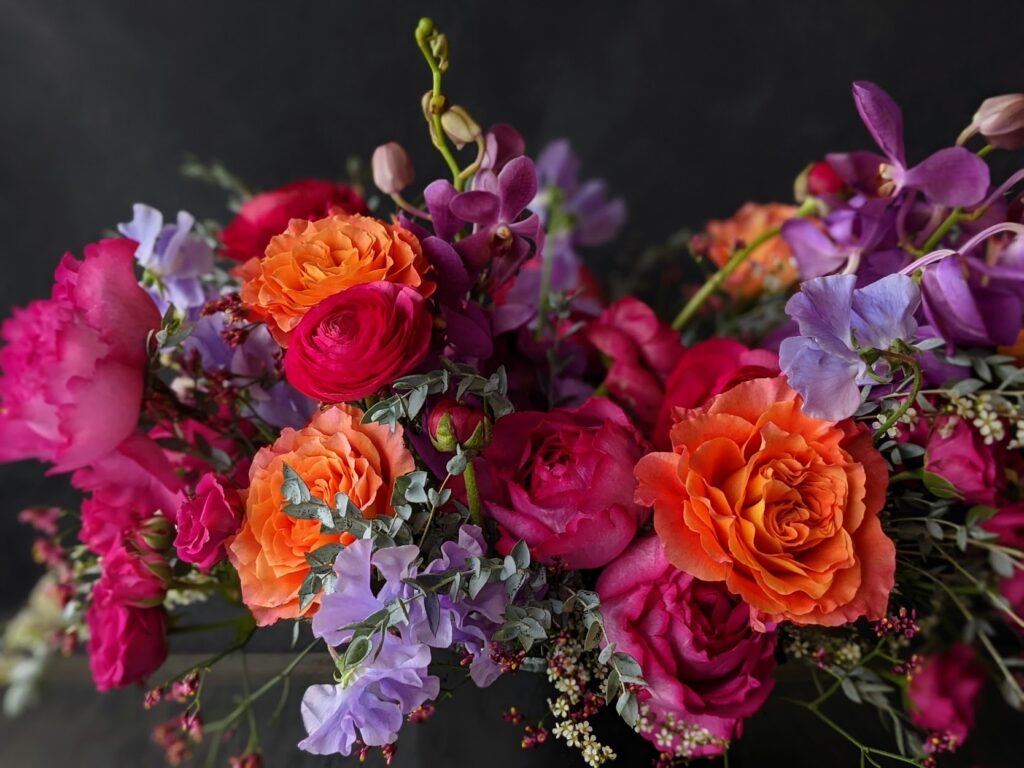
(312, 260)
(781, 507)
(771, 267)
(335, 452)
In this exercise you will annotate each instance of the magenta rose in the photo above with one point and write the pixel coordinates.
(72, 366)
(1008, 525)
(206, 521)
(705, 665)
(359, 340)
(957, 452)
(640, 351)
(125, 488)
(563, 482)
(944, 692)
(126, 643)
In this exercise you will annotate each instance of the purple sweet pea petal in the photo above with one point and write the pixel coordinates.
(598, 219)
(517, 186)
(823, 308)
(827, 382)
(558, 165)
(882, 117)
(953, 176)
(884, 311)
(815, 253)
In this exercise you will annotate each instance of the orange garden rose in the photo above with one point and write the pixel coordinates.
(335, 452)
(781, 507)
(771, 267)
(312, 260)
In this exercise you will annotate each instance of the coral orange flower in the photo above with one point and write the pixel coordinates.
(335, 452)
(771, 267)
(312, 260)
(781, 507)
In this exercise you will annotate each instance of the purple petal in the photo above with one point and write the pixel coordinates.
(882, 118)
(475, 250)
(438, 194)
(517, 186)
(823, 308)
(826, 382)
(950, 305)
(815, 253)
(953, 176)
(600, 224)
(884, 311)
(858, 169)
(558, 166)
(477, 207)
(502, 143)
(469, 331)
(452, 278)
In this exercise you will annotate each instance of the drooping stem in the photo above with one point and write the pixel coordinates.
(473, 495)
(896, 415)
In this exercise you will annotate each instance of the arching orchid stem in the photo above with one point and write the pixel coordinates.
(934, 256)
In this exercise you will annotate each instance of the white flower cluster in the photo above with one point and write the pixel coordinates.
(569, 671)
(676, 737)
(995, 416)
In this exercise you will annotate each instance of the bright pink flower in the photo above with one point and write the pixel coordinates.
(73, 364)
(127, 487)
(1008, 524)
(957, 452)
(703, 661)
(134, 578)
(126, 643)
(563, 482)
(944, 692)
(641, 352)
(206, 521)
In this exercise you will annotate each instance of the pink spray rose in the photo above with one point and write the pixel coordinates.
(957, 452)
(72, 367)
(1008, 524)
(357, 341)
(126, 488)
(206, 521)
(563, 482)
(138, 579)
(944, 693)
(641, 352)
(704, 663)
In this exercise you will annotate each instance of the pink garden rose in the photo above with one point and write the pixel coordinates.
(138, 579)
(957, 452)
(563, 482)
(125, 488)
(126, 643)
(640, 351)
(72, 368)
(357, 341)
(704, 663)
(944, 692)
(206, 521)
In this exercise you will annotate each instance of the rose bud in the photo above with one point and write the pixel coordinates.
(1000, 120)
(460, 127)
(155, 534)
(392, 168)
(453, 424)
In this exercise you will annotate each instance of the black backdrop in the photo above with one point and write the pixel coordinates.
(688, 109)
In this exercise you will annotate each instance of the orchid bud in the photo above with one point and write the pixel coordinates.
(392, 168)
(1000, 119)
(460, 127)
(453, 424)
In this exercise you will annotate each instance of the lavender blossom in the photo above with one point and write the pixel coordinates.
(838, 323)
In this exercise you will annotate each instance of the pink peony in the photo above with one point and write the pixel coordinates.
(956, 452)
(73, 365)
(563, 482)
(641, 352)
(126, 488)
(704, 663)
(206, 521)
(944, 693)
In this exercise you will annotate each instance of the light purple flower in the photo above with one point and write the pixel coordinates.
(837, 323)
(953, 176)
(174, 259)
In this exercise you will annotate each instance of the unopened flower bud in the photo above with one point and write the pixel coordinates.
(155, 534)
(392, 168)
(460, 127)
(1000, 120)
(453, 424)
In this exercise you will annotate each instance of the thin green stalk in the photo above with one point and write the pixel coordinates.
(898, 414)
(424, 31)
(473, 495)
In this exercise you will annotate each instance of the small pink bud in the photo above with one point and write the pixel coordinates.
(1000, 119)
(392, 168)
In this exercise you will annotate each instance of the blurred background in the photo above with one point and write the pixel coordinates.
(687, 109)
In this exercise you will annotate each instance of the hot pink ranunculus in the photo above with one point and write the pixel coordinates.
(125, 488)
(563, 482)
(126, 643)
(944, 692)
(957, 452)
(72, 365)
(359, 340)
(705, 665)
(641, 352)
(206, 521)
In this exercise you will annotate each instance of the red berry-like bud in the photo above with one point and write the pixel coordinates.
(823, 180)
(453, 424)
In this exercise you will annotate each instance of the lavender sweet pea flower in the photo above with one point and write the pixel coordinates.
(174, 259)
(953, 176)
(837, 322)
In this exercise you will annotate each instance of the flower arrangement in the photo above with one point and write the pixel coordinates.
(423, 436)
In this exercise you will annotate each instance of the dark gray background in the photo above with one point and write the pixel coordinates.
(688, 109)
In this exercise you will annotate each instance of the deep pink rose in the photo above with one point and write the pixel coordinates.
(944, 692)
(125, 488)
(126, 643)
(72, 367)
(704, 663)
(206, 521)
(563, 481)
(641, 352)
(134, 578)
(357, 341)
(267, 214)
(705, 370)
(1008, 524)
(957, 452)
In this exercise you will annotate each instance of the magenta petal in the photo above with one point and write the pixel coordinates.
(953, 176)
(438, 194)
(503, 143)
(475, 250)
(882, 117)
(452, 278)
(478, 207)
(517, 186)
(858, 169)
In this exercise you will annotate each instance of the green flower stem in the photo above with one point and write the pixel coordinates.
(424, 30)
(473, 495)
(715, 282)
(544, 305)
(896, 415)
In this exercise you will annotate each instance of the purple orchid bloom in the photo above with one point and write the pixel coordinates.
(838, 321)
(174, 259)
(953, 176)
